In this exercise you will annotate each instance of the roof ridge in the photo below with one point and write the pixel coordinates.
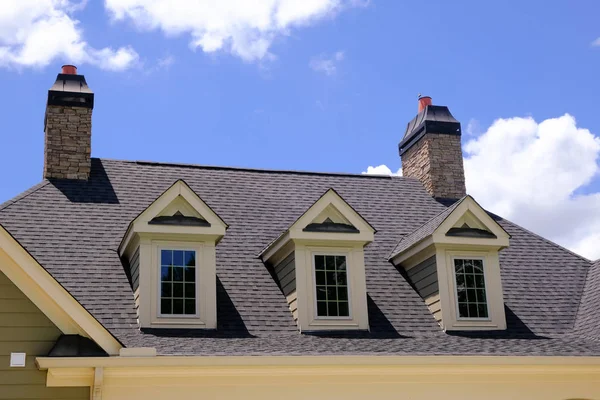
(249, 169)
(23, 194)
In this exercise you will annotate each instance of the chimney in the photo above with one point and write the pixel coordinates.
(431, 152)
(68, 127)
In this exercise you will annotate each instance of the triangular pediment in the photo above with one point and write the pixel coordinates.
(330, 219)
(469, 221)
(180, 211)
(331, 214)
(465, 223)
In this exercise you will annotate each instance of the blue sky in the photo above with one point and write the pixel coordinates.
(328, 86)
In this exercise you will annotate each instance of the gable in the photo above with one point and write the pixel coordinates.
(49, 296)
(177, 211)
(24, 328)
(469, 223)
(331, 215)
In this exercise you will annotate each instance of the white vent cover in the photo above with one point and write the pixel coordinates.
(17, 359)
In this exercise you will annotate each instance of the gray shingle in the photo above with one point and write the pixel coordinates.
(73, 229)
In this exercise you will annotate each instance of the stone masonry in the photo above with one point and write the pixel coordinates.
(436, 160)
(67, 148)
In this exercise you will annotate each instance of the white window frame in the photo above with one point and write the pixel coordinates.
(313, 255)
(487, 301)
(159, 314)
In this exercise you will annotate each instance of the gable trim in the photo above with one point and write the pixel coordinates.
(69, 316)
(214, 223)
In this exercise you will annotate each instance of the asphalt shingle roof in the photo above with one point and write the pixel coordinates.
(74, 228)
(424, 230)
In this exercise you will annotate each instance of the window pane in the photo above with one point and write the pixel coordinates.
(190, 307)
(471, 297)
(178, 290)
(330, 263)
(458, 265)
(190, 290)
(177, 257)
(344, 309)
(340, 278)
(166, 273)
(319, 262)
(470, 288)
(482, 311)
(472, 310)
(481, 296)
(166, 290)
(166, 257)
(190, 258)
(178, 274)
(342, 293)
(470, 280)
(320, 277)
(165, 306)
(340, 263)
(332, 310)
(177, 306)
(480, 281)
(190, 274)
(331, 277)
(331, 293)
(321, 308)
(468, 266)
(321, 293)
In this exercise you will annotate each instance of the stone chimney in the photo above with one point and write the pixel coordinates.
(68, 127)
(431, 152)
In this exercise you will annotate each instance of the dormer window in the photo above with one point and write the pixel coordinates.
(452, 261)
(170, 249)
(178, 282)
(331, 284)
(320, 268)
(470, 288)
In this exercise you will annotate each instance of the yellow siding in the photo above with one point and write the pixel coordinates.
(25, 329)
(333, 384)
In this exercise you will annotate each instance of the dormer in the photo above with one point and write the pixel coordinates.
(319, 265)
(169, 251)
(452, 261)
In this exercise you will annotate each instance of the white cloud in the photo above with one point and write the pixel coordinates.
(382, 170)
(33, 33)
(326, 64)
(596, 42)
(245, 28)
(532, 173)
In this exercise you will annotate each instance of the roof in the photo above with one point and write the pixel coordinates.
(424, 230)
(588, 316)
(73, 229)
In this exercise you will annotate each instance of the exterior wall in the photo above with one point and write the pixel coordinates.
(340, 382)
(134, 265)
(67, 148)
(424, 278)
(286, 274)
(436, 160)
(25, 329)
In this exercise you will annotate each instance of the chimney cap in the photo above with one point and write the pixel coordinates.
(424, 101)
(69, 69)
(433, 120)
